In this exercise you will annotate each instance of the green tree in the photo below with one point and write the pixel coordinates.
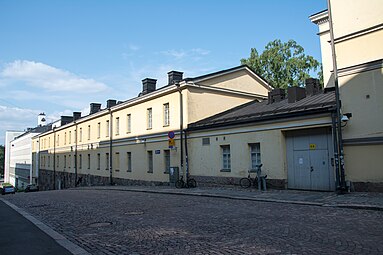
(283, 64)
(2, 152)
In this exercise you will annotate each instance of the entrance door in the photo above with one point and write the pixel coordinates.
(308, 163)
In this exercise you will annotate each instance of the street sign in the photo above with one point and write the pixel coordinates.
(171, 134)
(172, 143)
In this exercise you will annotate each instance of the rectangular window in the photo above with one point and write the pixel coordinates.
(255, 155)
(107, 161)
(116, 162)
(57, 161)
(98, 130)
(149, 118)
(166, 115)
(80, 161)
(98, 161)
(128, 123)
(167, 161)
(64, 161)
(129, 161)
(65, 138)
(69, 161)
(58, 140)
(80, 136)
(206, 141)
(49, 142)
(49, 161)
(88, 161)
(107, 128)
(117, 125)
(88, 132)
(150, 161)
(70, 137)
(226, 161)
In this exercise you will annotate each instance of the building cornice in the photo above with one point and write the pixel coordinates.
(319, 18)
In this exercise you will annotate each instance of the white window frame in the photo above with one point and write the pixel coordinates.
(226, 158)
(149, 118)
(255, 155)
(128, 123)
(166, 115)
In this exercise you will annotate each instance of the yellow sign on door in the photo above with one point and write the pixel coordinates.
(172, 143)
(313, 146)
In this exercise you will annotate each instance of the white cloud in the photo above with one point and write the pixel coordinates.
(43, 76)
(179, 54)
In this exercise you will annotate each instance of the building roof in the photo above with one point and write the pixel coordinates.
(255, 111)
(36, 130)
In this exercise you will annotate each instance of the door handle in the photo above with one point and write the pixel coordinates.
(311, 168)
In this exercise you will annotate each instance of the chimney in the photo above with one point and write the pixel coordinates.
(66, 120)
(111, 103)
(76, 115)
(312, 86)
(174, 76)
(148, 85)
(41, 120)
(295, 94)
(276, 95)
(94, 107)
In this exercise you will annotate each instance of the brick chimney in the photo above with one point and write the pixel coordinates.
(174, 76)
(276, 95)
(111, 103)
(148, 85)
(95, 107)
(312, 86)
(76, 115)
(295, 94)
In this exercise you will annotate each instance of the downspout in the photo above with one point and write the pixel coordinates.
(110, 146)
(186, 155)
(54, 159)
(335, 161)
(181, 128)
(338, 106)
(38, 160)
(75, 155)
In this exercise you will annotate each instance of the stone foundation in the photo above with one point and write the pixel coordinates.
(367, 186)
(213, 181)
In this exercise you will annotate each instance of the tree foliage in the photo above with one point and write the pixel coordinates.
(283, 64)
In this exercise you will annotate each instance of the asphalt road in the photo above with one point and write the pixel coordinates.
(19, 236)
(122, 222)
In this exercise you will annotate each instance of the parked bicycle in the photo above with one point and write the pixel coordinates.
(258, 181)
(190, 183)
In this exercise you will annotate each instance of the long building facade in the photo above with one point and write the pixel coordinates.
(127, 142)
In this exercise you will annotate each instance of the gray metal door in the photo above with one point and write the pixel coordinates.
(308, 163)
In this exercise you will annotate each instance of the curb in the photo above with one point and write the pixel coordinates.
(268, 200)
(60, 239)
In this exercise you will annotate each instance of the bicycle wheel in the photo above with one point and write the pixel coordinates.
(245, 182)
(192, 183)
(180, 184)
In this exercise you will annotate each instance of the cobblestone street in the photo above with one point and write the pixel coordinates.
(123, 222)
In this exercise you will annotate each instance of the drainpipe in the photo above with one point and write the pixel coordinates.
(38, 160)
(336, 159)
(181, 127)
(110, 146)
(75, 155)
(186, 155)
(338, 106)
(54, 159)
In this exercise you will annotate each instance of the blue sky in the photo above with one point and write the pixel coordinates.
(58, 56)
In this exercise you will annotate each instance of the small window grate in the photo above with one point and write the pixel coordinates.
(206, 141)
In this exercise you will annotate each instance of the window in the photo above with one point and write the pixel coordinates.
(107, 161)
(149, 117)
(166, 115)
(58, 140)
(167, 160)
(49, 161)
(69, 161)
(150, 161)
(107, 128)
(98, 130)
(129, 161)
(255, 155)
(128, 123)
(117, 125)
(98, 161)
(88, 161)
(88, 132)
(64, 161)
(226, 162)
(116, 162)
(80, 138)
(49, 142)
(57, 161)
(206, 141)
(70, 137)
(80, 161)
(65, 138)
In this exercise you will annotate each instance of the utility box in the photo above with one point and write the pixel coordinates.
(173, 175)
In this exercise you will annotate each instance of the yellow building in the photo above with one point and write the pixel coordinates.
(128, 141)
(358, 38)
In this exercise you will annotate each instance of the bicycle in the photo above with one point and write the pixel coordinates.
(190, 183)
(258, 181)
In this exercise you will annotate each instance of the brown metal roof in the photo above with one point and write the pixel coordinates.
(258, 111)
